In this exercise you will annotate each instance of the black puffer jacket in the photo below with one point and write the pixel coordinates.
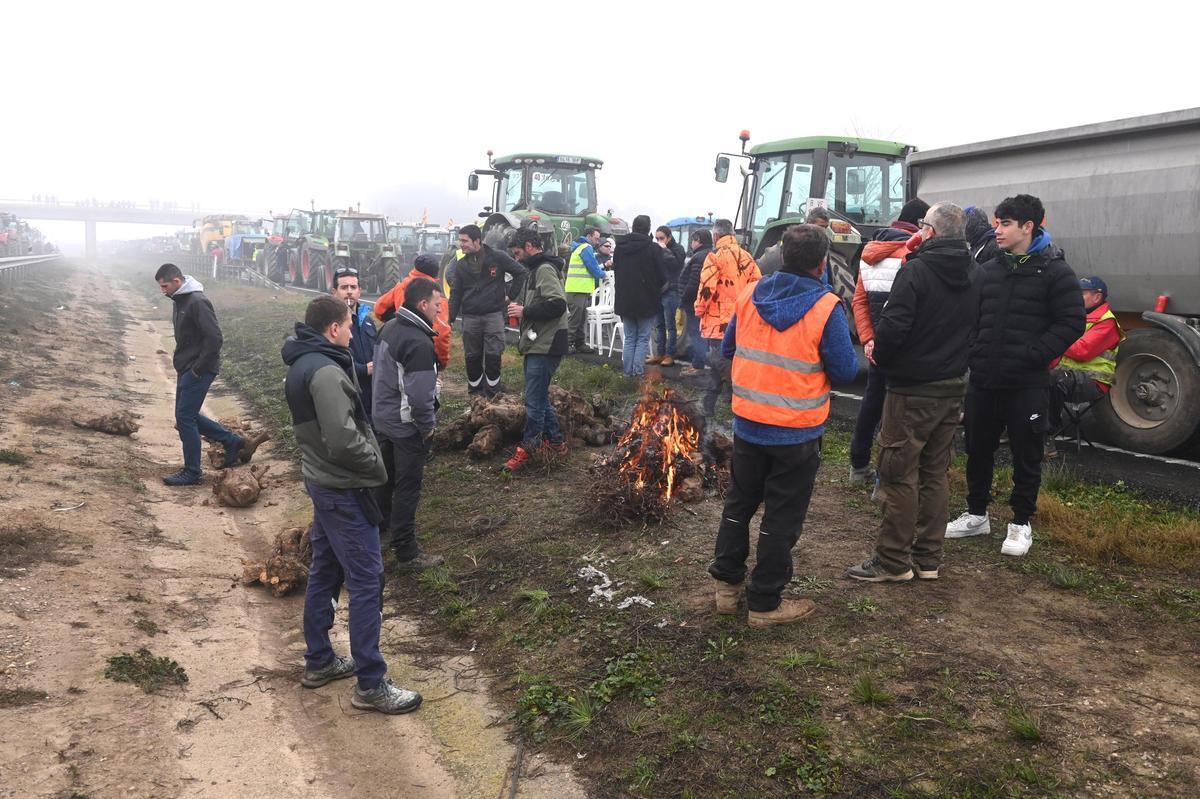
(1030, 311)
(924, 330)
(689, 279)
(674, 266)
(639, 273)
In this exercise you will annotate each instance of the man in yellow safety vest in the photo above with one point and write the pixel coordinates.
(584, 274)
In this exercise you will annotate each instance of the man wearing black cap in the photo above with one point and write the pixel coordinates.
(1085, 373)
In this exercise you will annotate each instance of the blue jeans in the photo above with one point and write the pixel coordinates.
(636, 346)
(699, 350)
(867, 421)
(189, 398)
(540, 419)
(345, 550)
(664, 334)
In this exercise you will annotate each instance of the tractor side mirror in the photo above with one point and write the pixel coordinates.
(472, 182)
(721, 170)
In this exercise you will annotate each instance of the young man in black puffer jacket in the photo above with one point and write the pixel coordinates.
(1030, 312)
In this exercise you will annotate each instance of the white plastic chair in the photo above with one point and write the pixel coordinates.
(618, 327)
(600, 313)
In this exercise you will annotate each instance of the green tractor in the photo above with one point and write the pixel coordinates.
(554, 193)
(360, 241)
(861, 182)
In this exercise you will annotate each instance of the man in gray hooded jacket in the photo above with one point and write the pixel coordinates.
(341, 464)
(197, 357)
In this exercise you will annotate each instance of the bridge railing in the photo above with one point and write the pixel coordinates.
(16, 267)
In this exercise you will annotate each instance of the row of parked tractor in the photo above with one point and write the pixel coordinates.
(305, 247)
(18, 237)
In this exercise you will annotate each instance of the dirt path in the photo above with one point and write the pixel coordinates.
(141, 565)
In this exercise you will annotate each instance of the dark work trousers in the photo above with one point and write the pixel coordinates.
(190, 392)
(345, 549)
(483, 344)
(399, 496)
(719, 376)
(577, 306)
(870, 411)
(781, 478)
(1024, 412)
(916, 443)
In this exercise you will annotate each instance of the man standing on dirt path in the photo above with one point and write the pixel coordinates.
(789, 342)
(544, 334)
(362, 329)
(1030, 312)
(341, 464)
(406, 401)
(920, 343)
(478, 289)
(197, 358)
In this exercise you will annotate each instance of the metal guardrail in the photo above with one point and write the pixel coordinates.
(15, 268)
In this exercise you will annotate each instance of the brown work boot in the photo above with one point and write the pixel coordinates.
(654, 360)
(667, 361)
(789, 610)
(727, 596)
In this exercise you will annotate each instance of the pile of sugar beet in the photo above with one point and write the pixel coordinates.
(490, 424)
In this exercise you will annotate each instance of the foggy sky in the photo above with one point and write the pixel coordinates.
(267, 106)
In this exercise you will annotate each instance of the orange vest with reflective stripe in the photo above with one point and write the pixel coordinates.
(778, 377)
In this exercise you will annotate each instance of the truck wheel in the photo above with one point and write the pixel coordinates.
(1152, 405)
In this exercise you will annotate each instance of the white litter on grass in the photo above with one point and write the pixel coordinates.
(602, 591)
(662, 624)
(630, 601)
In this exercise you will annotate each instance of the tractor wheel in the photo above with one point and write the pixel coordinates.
(293, 267)
(1155, 393)
(273, 265)
(843, 281)
(497, 234)
(322, 278)
(390, 269)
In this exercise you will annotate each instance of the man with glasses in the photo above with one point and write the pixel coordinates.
(920, 340)
(362, 329)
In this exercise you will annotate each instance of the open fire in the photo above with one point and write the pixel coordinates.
(659, 459)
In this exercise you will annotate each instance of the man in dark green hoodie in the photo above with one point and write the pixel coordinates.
(543, 313)
(341, 462)
(920, 344)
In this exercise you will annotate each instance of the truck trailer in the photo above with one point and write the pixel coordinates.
(1123, 202)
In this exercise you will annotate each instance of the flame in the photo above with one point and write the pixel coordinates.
(663, 436)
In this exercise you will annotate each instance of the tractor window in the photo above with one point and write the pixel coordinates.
(404, 236)
(562, 190)
(800, 185)
(865, 188)
(768, 192)
(511, 193)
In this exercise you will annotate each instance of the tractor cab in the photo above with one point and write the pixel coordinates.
(434, 240)
(859, 181)
(682, 227)
(556, 194)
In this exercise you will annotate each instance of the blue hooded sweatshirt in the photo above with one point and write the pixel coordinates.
(782, 299)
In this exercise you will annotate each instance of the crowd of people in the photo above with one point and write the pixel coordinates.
(964, 319)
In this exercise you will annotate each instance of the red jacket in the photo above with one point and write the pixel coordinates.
(881, 255)
(1101, 336)
(389, 302)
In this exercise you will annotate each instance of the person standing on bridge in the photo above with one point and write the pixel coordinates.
(920, 342)
(726, 272)
(478, 289)
(197, 358)
(789, 342)
(1030, 312)
(341, 463)
(362, 329)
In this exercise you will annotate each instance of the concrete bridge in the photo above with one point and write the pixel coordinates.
(90, 212)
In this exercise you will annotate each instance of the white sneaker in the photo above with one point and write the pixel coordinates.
(1020, 538)
(968, 525)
